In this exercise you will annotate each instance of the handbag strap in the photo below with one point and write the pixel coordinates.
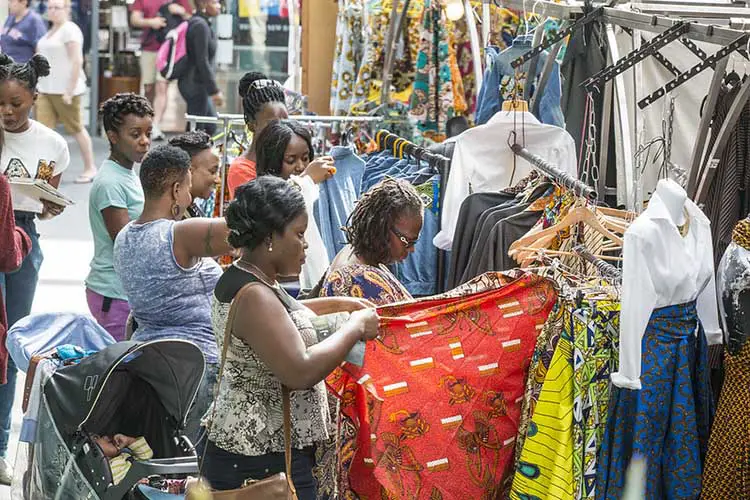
(285, 393)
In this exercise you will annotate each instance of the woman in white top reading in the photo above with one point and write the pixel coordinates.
(30, 151)
(60, 93)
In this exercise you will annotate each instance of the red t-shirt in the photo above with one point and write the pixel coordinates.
(240, 171)
(150, 9)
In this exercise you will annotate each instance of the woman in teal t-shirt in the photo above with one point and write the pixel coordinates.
(116, 198)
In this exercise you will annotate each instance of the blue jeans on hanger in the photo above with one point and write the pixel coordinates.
(18, 289)
(337, 198)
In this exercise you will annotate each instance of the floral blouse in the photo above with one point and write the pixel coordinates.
(375, 284)
(249, 416)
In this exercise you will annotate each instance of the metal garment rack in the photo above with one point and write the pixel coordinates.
(549, 170)
(228, 121)
(715, 24)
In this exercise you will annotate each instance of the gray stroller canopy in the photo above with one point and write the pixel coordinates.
(125, 377)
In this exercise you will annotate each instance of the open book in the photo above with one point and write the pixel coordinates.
(38, 190)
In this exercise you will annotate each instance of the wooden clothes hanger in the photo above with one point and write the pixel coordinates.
(574, 216)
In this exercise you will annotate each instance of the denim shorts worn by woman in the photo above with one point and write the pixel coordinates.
(226, 471)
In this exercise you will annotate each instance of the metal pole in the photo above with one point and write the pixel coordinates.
(94, 94)
(476, 51)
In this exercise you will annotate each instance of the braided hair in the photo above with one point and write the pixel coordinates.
(261, 208)
(369, 226)
(271, 144)
(256, 91)
(114, 110)
(192, 142)
(27, 74)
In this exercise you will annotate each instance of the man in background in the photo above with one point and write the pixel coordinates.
(149, 15)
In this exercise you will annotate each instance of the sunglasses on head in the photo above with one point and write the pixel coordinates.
(404, 240)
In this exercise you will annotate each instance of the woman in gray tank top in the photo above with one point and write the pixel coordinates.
(165, 266)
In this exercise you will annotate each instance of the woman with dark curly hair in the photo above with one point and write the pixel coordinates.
(382, 230)
(115, 199)
(273, 343)
(165, 265)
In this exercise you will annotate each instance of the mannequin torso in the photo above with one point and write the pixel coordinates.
(674, 198)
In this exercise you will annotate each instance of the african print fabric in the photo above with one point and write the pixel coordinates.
(432, 102)
(380, 287)
(443, 386)
(727, 473)
(375, 284)
(349, 52)
(558, 458)
(668, 420)
(540, 363)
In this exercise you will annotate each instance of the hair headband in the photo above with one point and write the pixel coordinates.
(260, 84)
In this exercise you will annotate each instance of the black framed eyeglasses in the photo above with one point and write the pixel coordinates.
(404, 240)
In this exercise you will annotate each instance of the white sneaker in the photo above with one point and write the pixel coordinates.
(6, 472)
(157, 134)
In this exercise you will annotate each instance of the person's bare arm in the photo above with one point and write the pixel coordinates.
(329, 305)
(75, 58)
(264, 324)
(200, 237)
(114, 220)
(138, 21)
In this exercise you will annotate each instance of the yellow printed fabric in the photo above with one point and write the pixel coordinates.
(545, 470)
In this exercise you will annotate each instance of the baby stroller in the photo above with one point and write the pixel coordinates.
(132, 388)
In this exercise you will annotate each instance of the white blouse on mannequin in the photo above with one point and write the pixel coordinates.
(663, 268)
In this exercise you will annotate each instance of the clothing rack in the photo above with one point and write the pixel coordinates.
(228, 121)
(549, 170)
(606, 269)
(400, 148)
(720, 25)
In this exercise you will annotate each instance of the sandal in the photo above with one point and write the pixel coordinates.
(85, 179)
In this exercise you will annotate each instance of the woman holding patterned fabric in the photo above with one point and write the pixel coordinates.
(383, 229)
(272, 342)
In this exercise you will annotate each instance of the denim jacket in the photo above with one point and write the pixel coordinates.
(500, 76)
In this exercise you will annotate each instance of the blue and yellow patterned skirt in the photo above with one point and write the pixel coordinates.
(667, 422)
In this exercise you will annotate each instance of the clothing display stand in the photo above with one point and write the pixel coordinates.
(227, 122)
(659, 19)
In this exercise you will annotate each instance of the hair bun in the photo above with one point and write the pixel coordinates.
(260, 208)
(248, 80)
(40, 65)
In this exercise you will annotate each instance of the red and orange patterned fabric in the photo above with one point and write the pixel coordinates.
(434, 412)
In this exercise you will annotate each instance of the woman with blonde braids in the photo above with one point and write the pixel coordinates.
(382, 230)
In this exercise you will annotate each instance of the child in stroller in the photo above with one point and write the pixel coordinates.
(120, 450)
(129, 388)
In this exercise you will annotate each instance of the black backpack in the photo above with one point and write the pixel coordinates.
(173, 21)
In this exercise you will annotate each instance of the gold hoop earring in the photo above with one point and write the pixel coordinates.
(176, 209)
